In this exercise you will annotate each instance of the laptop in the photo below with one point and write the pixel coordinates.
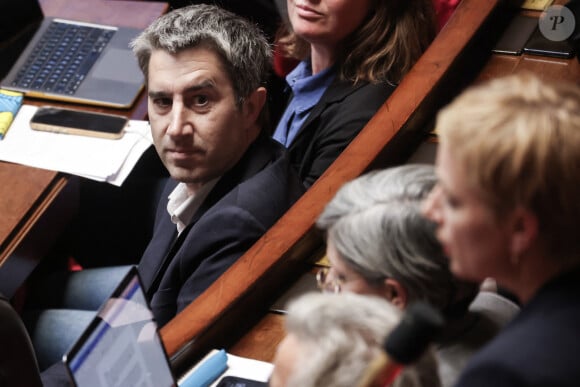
(121, 346)
(66, 60)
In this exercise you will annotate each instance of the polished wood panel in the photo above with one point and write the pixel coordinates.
(261, 342)
(565, 70)
(45, 220)
(243, 294)
(25, 192)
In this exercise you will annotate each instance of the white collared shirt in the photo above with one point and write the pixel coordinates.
(182, 205)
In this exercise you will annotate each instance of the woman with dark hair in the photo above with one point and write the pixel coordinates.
(352, 55)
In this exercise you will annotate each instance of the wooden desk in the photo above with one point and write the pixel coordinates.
(36, 204)
(232, 313)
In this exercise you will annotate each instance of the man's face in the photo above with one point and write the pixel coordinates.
(198, 130)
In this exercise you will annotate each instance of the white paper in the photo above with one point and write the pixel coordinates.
(243, 367)
(94, 158)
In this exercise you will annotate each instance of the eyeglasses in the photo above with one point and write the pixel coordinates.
(326, 284)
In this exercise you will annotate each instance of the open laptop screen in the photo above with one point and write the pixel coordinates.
(67, 60)
(121, 347)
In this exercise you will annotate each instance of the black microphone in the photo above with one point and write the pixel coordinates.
(404, 345)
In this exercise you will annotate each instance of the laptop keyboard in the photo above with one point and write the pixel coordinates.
(62, 58)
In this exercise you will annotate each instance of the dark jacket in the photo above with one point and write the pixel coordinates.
(342, 112)
(539, 347)
(241, 207)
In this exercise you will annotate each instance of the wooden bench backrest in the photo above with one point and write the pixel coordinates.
(250, 286)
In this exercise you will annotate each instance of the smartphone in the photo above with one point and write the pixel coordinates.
(79, 122)
(234, 381)
(516, 35)
(538, 44)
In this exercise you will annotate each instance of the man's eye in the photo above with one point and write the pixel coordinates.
(200, 100)
(162, 102)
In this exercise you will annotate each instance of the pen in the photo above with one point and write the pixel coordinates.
(10, 102)
(208, 371)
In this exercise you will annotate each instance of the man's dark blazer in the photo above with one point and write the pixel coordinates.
(539, 347)
(242, 206)
(340, 114)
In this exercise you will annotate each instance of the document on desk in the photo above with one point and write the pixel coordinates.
(94, 158)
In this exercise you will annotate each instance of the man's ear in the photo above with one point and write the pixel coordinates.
(395, 293)
(253, 105)
(524, 231)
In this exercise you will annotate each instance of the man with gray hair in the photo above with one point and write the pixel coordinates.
(206, 69)
(229, 181)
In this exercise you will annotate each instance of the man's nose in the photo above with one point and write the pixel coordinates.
(179, 124)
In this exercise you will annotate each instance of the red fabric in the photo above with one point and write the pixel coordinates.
(73, 265)
(283, 65)
(443, 10)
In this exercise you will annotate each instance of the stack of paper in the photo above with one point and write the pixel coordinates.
(95, 158)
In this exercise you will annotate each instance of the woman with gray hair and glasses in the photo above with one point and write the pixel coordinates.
(379, 243)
